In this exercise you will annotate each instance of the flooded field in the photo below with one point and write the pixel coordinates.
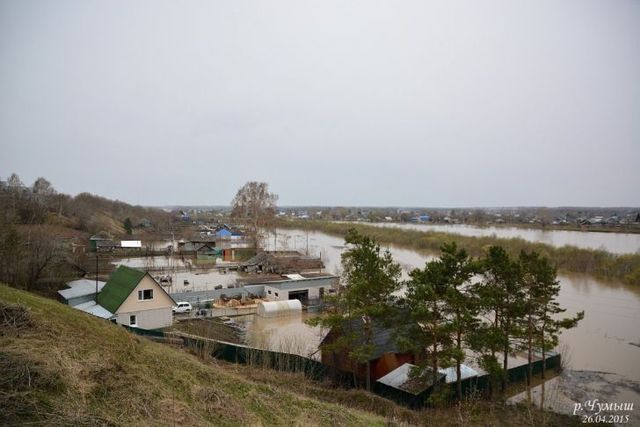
(152, 262)
(286, 334)
(617, 243)
(183, 274)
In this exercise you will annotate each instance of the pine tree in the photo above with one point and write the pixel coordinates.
(427, 328)
(371, 277)
(549, 326)
(500, 297)
(540, 324)
(458, 269)
(535, 270)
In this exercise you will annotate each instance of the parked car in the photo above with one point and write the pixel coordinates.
(182, 307)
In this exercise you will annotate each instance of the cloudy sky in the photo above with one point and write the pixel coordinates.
(450, 103)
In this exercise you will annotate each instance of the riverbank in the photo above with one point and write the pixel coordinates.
(602, 264)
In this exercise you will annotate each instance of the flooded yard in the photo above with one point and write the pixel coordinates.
(288, 334)
(607, 340)
(184, 274)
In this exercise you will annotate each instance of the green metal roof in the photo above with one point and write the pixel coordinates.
(121, 283)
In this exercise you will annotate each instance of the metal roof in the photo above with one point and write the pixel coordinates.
(398, 376)
(96, 309)
(465, 372)
(400, 379)
(80, 288)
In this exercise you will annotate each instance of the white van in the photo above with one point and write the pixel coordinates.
(182, 307)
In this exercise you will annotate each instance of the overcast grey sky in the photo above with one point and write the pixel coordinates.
(450, 103)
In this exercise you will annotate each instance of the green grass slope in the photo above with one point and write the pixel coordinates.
(59, 366)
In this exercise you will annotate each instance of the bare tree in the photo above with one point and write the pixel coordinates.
(255, 207)
(41, 252)
(43, 187)
(14, 181)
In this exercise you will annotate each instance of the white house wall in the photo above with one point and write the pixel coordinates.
(283, 294)
(270, 292)
(148, 319)
(160, 297)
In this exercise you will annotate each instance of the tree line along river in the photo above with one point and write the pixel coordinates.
(616, 243)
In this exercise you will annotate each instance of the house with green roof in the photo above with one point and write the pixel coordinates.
(134, 298)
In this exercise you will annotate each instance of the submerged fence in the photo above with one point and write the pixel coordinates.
(238, 353)
(313, 369)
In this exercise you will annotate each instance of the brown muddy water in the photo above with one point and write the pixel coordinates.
(288, 334)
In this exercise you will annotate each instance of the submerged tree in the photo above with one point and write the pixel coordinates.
(535, 271)
(549, 325)
(255, 207)
(541, 327)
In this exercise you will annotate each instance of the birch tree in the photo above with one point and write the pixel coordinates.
(255, 207)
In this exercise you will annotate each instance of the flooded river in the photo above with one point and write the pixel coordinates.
(607, 340)
(617, 243)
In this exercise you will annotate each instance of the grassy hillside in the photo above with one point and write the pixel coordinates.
(84, 212)
(43, 234)
(64, 367)
(59, 366)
